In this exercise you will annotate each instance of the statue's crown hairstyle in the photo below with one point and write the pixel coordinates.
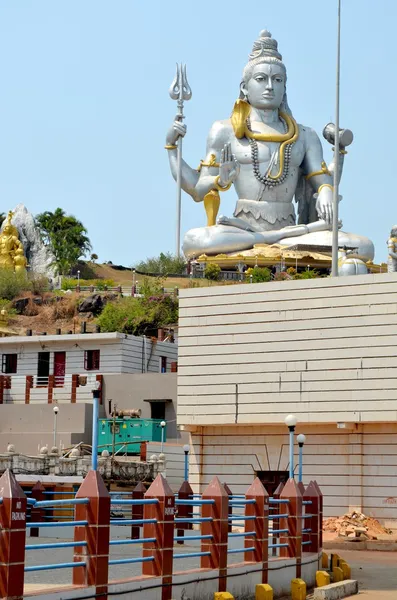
(265, 49)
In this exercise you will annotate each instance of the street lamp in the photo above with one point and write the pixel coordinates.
(96, 393)
(186, 449)
(301, 439)
(78, 278)
(291, 422)
(56, 411)
(162, 425)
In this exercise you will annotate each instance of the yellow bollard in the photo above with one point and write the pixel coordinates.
(338, 574)
(335, 558)
(298, 589)
(223, 596)
(322, 578)
(263, 591)
(346, 570)
(325, 560)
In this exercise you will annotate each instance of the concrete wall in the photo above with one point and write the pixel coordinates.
(323, 349)
(174, 462)
(135, 391)
(355, 468)
(31, 426)
(119, 353)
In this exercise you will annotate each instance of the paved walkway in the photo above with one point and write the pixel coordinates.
(376, 573)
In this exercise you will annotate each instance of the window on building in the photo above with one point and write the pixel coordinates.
(91, 360)
(163, 364)
(9, 363)
(157, 410)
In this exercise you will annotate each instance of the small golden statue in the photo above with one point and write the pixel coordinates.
(11, 248)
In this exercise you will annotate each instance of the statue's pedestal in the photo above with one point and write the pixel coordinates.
(365, 248)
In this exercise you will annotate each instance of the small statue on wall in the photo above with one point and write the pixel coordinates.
(392, 251)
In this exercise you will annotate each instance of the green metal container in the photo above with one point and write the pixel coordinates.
(128, 434)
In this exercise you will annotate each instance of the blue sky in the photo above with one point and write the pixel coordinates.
(84, 106)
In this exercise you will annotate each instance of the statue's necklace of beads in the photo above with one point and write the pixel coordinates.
(284, 155)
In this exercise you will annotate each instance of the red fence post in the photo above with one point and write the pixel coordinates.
(276, 511)
(162, 550)
(28, 387)
(259, 526)
(138, 493)
(185, 493)
(1, 389)
(36, 514)
(95, 534)
(217, 547)
(320, 513)
(12, 537)
(51, 380)
(230, 494)
(293, 522)
(73, 393)
(311, 494)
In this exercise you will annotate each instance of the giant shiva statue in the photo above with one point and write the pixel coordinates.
(269, 159)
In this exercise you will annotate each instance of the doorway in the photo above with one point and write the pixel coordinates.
(43, 368)
(272, 479)
(59, 368)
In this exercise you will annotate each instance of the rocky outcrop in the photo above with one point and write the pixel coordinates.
(39, 257)
(95, 303)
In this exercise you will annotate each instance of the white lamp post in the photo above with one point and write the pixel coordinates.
(56, 411)
(291, 422)
(162, 425)
(301, 439)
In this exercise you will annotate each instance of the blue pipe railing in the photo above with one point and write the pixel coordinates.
(71, 565)
(278, 545)
(284, 516)
(192, 555)
(127, 561)
(237, 550)
(132, 521)
(196, 520)
(193, 502)
(58, 524)
(55, 545)
(55, 503)
(178, 538)
(136, 541)
(278, 501)
(134, 502)
(244, 534)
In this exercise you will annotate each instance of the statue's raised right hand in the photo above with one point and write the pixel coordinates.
(177, 130)
(229, 167)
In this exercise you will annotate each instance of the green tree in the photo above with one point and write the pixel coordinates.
(164, 264)
(212, 272)
(259, 274)
(66, 236)
(94, 257)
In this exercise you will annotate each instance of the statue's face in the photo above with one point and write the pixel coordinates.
(7, 230)
(266, 88)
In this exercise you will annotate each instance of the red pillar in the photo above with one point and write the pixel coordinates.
(36, 514)
(260, 525)
(230, 510)
(28, 387)
(96, 534)
(12, 537)
(217, 528)
(311, 494)
(162, 550)
(293, 522)
(1, 389)
(50, 388)
(320, 525)
(138, 493)
(185, 493)
(73, 395)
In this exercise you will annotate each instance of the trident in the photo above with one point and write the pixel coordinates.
(180, 91)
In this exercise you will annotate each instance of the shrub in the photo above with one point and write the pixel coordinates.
(259, 274)
(164, 264)
(39, 284)
(12, 284)
(307, 274)
(137, 316)
(212, 272)
(282, 276)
